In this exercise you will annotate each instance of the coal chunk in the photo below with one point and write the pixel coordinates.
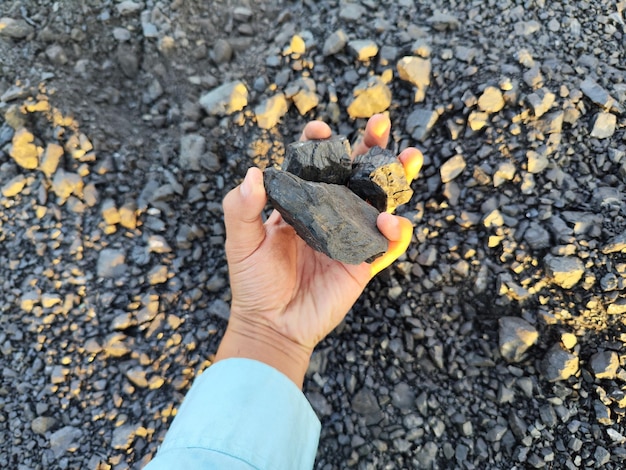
(378, 177)
(323, 161)
(329, 217)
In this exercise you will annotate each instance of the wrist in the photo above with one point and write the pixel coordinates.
(264, 344)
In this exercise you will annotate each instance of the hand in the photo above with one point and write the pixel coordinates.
(286, 297)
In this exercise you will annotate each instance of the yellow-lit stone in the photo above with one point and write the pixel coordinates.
(23, 150)
(370, 98)
(50, 159)
(569, 340)
(14, 186)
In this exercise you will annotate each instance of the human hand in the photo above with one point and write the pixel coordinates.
(286, 297)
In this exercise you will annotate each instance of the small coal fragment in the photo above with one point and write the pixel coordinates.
(329, 217)
(378, 177)
(324, 161)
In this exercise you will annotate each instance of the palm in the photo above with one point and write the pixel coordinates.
(302, 293)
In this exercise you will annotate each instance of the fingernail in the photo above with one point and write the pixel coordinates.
(246, 186)
(381, 127)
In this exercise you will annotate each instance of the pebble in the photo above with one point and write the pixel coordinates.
(604, 364)
(111, 263)
(16, 29)
(123, 436)
(225, 99)
(559, 364)
(192, 151)
(50, 159)
(306, 99)
(121, 34)
(14, 186)
(603, 125)
(127, 60)
(536, 162)
(365, 403)
(137, 376)
(491, 100)
(415, 70)
(370, 97)
(600, 96)
(352, 12)
(65, 439)
(363, 49)
(335, 43)
(56, 55)
(443, 21)
(157, 275)
(42, 424)
(64, 184)
(516, 336)
(128, 7)
(242, 14)
(222, 51)
(403, 396)
(219, 309)
(564, 271)
(452, 168)
(477, 120)
(537, 237)
(420, 123)
(269, 112)
(23, 150)
(505, 172)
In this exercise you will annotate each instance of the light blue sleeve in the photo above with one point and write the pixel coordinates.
(241, 414)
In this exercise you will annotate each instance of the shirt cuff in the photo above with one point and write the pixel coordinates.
(250, 411)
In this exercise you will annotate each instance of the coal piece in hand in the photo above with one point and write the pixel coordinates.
(329, 217)
(378, 177)
(325, 161)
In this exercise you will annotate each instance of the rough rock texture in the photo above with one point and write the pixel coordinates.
(604, 364)
(564, 271)
(379, 178)
(516, 335)
(330, 218)
(225, 99)
(559, 364)
(269, 112)
(370, 97)
(322, 161)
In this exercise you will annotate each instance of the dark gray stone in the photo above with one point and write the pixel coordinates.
(65, 439)
(564, 271)
(379, 178)
(366, 404)
(559, 364)
(320, 161)
(537, 237)
(329, 217)
(111, 263)
(516, 335)
(335, 42)
(604, 364)
(600, 96)
(420, 122)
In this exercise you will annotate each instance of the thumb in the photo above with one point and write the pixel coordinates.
(242, 216)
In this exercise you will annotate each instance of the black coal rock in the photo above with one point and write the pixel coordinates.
(323, 161)
(378, 177)
(329, 217)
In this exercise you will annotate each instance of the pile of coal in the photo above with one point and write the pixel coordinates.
(333, 202)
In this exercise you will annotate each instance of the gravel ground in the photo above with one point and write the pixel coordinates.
(496, 342)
